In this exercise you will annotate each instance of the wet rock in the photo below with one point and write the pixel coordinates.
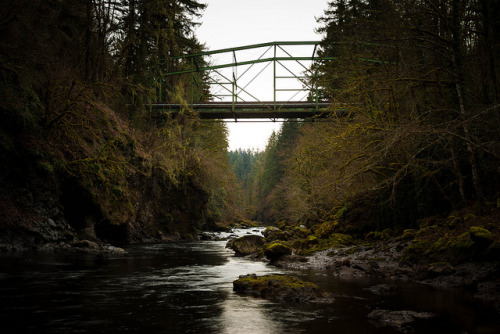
(345, 262)
(246, 245)
(382, 289)
(397, 319)
(441, 268)
(207, 236)
(363, 266)
(86, 244)
(281, 288)
(114, 250)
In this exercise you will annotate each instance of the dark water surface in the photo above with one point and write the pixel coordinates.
(187, 288)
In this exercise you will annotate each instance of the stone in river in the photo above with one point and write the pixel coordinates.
(246, 245)
(281, 288)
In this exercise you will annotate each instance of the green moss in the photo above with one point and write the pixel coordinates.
(481, 235)
(326, 229)
(276, 250)
(408, 234)
(299, 232)
(454, 249)
(280, 287)
(316, 245)
(277, 281)
(414, 252)
(343, 211)
(282, 224)
(273, 233)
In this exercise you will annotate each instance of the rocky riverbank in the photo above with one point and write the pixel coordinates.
(461, 256)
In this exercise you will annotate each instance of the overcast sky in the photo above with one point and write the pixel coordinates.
(232, 23)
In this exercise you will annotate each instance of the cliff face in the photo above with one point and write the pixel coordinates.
(77, 169)
(81, 157)
(53, 191)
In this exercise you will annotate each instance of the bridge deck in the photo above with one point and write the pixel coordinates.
(247, 110)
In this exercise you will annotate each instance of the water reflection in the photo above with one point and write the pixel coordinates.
(187, 288)
(247, 316)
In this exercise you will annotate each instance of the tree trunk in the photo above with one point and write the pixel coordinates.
(456, 62)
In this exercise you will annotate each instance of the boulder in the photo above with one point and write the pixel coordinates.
(397, 319)
(280, 288)
(273, 233)
(246, 245)
(382, 289)
(276, 250)
(440, 268)
(86, 244)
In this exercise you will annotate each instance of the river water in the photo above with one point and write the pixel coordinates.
(187, 288)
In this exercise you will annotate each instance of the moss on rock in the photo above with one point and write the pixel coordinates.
(280, 287)
(276, 250)
(408, 234)
(273, 233)
(246, 245)
(481, 236)
(326, 229)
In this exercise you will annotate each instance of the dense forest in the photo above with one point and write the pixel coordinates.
(411, 133)
(411, 147)
(418, 82)
(82, 155)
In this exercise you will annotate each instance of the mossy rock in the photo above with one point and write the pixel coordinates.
(306, 243)
(298, 232)
(282, 225)
(481, 236)
(276, 250)
(273, 233)
(414, 252)
(280, 288)
(440, 268)
(386, 233)
(246, 245)
(335, 240)
(408, 234)
(455, 249)
(326, 229)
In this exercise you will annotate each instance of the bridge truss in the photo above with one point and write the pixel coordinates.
(238, 80)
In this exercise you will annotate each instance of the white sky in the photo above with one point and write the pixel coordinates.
(232, 23)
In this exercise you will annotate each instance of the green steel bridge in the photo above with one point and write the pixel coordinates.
(239, 96)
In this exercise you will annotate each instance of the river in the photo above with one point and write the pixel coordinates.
(187, 288)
